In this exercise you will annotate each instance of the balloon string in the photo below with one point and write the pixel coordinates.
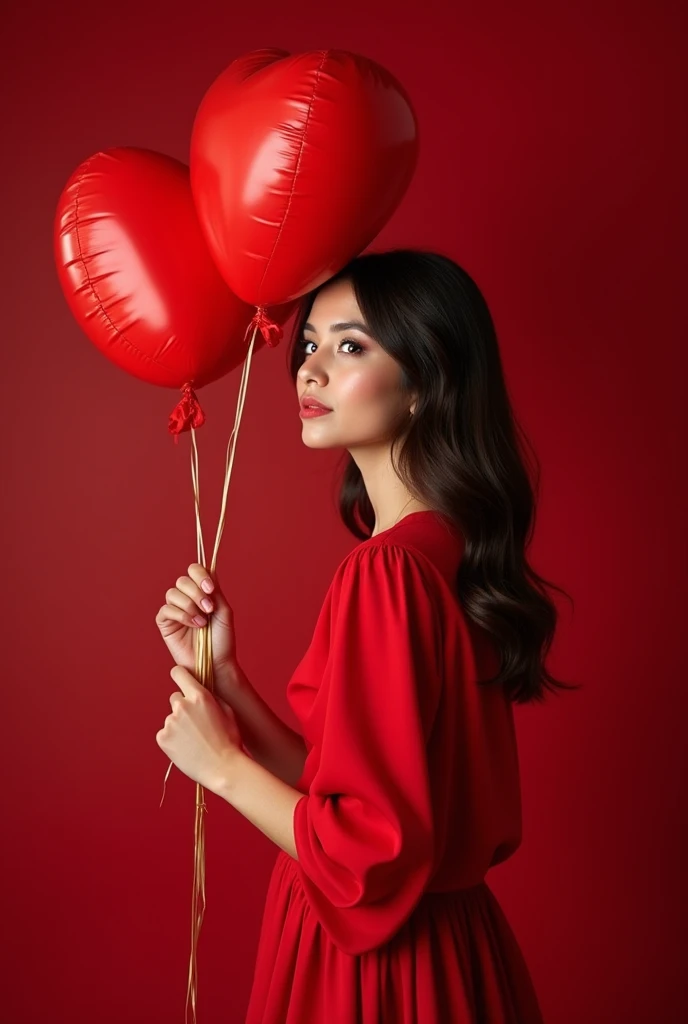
(203, 650)
(188, 414)
(229, 462)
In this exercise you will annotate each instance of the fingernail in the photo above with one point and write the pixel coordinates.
(200, 620)
(207, 585)
(206, 604)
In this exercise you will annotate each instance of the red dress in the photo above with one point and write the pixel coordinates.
(411, 793)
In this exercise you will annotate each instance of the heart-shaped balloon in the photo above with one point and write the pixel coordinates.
(137, 274)
(297, 162)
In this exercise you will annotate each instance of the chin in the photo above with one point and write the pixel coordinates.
(318, 442)
(313, 437)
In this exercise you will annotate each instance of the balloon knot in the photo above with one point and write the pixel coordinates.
(272, 332)
(187, 413)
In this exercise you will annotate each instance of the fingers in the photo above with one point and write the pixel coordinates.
(187, 603)
(171, 613)
(201, 577)
(188, 596)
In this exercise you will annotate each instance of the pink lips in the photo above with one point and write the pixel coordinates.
(308, 411)
(311, 406)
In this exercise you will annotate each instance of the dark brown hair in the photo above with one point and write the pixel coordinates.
(463, 451)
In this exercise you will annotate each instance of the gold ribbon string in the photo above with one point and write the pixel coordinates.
(203, 648)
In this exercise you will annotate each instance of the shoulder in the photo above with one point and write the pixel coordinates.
(386, 563)
(425, 544)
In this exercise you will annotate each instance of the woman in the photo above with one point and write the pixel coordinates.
(404, 788)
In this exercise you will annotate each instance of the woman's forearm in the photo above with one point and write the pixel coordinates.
(269, 740)
(260, 796)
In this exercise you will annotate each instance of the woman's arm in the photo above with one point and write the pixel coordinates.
(269, 740)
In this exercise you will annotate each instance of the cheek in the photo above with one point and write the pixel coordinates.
(366, 387)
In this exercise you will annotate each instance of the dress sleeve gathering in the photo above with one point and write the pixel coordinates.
(364, 832)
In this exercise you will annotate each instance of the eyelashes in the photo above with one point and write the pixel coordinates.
(345, 341)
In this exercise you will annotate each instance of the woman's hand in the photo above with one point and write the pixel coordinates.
(183, 614)
(201, 735)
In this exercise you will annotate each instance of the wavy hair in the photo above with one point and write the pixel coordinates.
(463, 452)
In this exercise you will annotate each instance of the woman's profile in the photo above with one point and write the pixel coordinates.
(401, 789)
(432, 627)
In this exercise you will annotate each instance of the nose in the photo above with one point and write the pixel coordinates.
(310, 371)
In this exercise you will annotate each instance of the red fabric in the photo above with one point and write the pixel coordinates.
(411, 792)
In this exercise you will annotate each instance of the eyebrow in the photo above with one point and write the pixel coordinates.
(347, 325)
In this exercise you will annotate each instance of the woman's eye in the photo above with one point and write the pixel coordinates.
(348, 341)
(345, 341)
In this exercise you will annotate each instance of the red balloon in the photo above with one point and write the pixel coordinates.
(137, 274)
(297, 162)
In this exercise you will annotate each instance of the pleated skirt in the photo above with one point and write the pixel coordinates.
(456, 960)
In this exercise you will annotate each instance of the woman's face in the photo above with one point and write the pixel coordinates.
(348, 371)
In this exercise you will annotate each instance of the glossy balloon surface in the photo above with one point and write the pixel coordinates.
(297, 162)
(137, 274)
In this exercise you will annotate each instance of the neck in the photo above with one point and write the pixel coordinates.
(390, 498)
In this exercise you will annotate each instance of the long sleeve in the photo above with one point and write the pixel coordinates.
(364, 831)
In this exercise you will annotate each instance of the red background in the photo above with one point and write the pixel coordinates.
(552, 168)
